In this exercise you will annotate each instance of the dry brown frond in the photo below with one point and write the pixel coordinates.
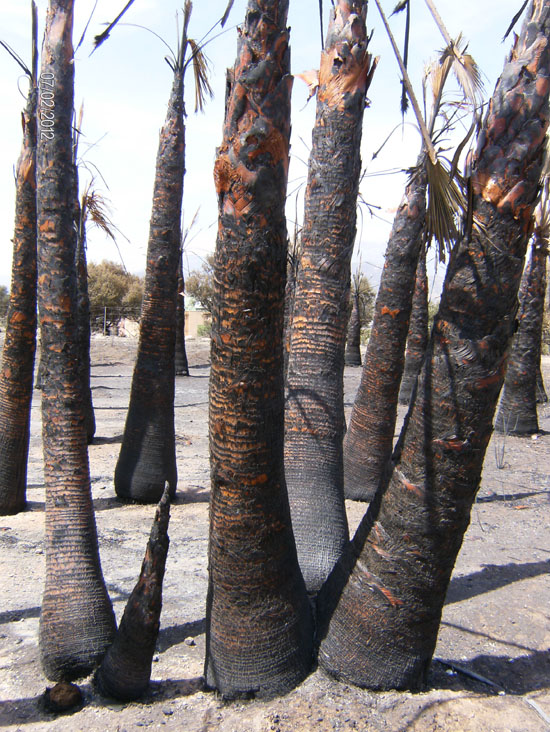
(94, 208)
(446, 203)
(201, 72)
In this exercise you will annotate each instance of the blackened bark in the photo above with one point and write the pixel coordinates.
(77, 621)
(259, 633)
(84, 326)
(290, 289)
(353, 338)
(147, 457)
(369, 439)
(517, 412)
(182, 366)
(542, 396)
(16, 371)
(126, 669)
(381, 609)
(314, 417)
(417, 340)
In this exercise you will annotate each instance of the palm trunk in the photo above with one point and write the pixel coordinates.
(369, 439)
(259, 632)
(84, 327)
(147, 457)
(517, 412)
(16, 371)
(314, 415)
(353, 338)
(381, 609)
(77, 621)
(417, 340)
(126, 669)
(542, 396)
(182, 366)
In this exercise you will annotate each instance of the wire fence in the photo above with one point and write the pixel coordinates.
(107, 320)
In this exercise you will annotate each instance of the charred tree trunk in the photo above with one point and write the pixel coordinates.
(259, 631)
(126, 669)
(148, 453)
(417, 340)
(353, 338)
(84, 326)
(77, 622)
(314, 417)
(517, 412)
(290, 289)
(369, 439)
(381, 609)
(182, 367)
(542, 396)
(16, 371)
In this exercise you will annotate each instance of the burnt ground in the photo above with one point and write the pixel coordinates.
(495, 623)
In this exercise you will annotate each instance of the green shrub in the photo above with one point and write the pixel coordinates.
(204, 330)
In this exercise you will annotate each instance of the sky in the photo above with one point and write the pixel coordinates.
(125, 86)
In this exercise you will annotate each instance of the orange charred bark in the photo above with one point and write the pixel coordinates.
(314, 419)
(16, 371)
(259, 630)
(147, 457)
(381, 609)
(369, 439)
(77, 621)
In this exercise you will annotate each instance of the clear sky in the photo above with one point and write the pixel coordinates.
(125, 86)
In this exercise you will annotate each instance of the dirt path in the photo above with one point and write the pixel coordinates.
(495, 623)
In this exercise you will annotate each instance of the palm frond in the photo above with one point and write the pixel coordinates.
(445, 205)
(321, 24)
(102, 37)
(515, 19)
(16, 57)
(95, 209)
(225, 16)
(400, 6)
(201, 70)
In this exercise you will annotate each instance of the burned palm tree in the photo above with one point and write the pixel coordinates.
(126, 669)
(381, 609)
(352, 354)
(314, 415)
(77, 621)
(369, 438)
(16, 370)
(259, 633)
(417, 340)
(181, 364)
(147, 457)
(517, 412)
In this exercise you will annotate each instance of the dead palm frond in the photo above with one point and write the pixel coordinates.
(102, 37)
(446, 204)
(541, 215)
(515, 19)
(405, 5)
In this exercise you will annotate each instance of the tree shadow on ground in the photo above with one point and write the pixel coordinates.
(192, 494)
(516, 676)
(106, 440)
(14, 616)
(173, 635)
(506, 497)
(493, 577)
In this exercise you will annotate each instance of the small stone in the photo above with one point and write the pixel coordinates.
(168, 712)
(63, 697)
(156, 659)
(189, 641)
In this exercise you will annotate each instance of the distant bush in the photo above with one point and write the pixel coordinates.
(204, 330)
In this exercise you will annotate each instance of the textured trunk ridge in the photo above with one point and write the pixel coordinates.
(381, 609)
(353, 338)
(77, 622)
(147, 457)
(16, 371)
(517, 412)
(314, 419)
(369, 440)
(417, 340)
(259, 629)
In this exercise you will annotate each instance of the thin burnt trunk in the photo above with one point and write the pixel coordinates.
(353, 338)
(517, 411)
(369, 439)
(381, 609)
(290, 289)
(16, 371)
(84, 325)
(182, 366)
(417, 340)
(259, 632)
(125, 671)
(542, 396)
(314, 416)
(77, 621)
(147, 457)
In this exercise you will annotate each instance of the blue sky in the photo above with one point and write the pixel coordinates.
(125, 86)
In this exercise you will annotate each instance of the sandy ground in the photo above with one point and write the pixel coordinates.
(495, 622)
